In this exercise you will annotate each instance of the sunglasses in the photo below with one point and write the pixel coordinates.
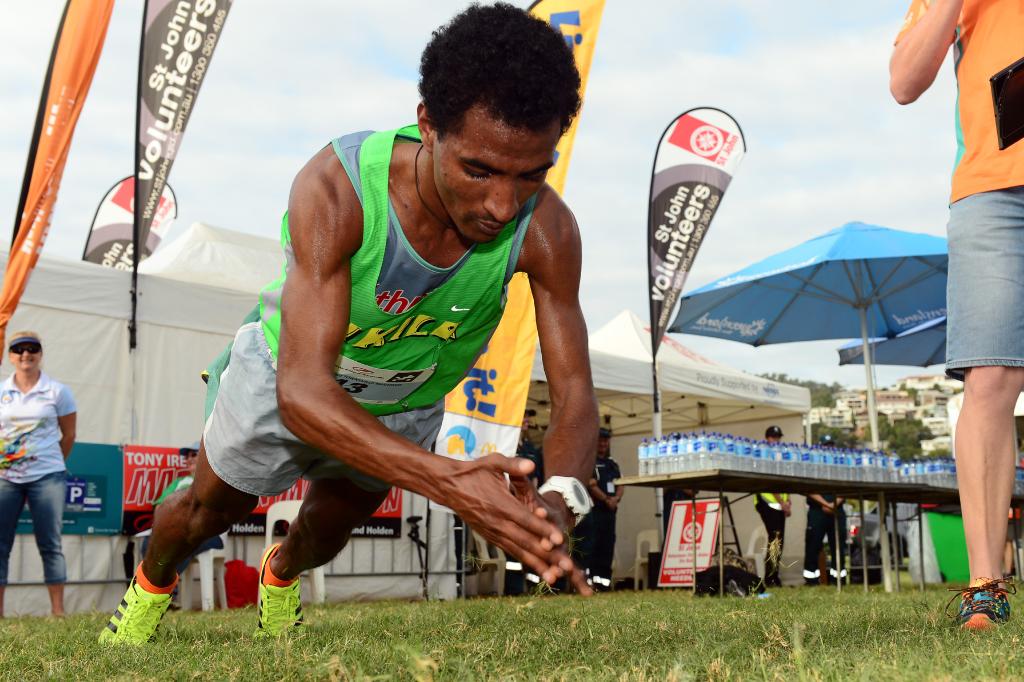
(32, 348)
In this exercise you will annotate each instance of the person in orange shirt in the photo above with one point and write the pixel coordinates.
(985, 296)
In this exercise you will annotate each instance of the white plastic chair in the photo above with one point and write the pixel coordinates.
(287, 510)
(486, 558)
(756, 548)
(646, 542)
(211, 576)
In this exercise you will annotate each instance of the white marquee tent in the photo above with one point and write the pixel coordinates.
(193, 294)
(695, 391)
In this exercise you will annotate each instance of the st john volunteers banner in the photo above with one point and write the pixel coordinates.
(110, 237)
(483, 414)
(696, 158)
(76, 50)
(178, 40)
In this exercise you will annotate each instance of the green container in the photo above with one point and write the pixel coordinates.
(950, 546)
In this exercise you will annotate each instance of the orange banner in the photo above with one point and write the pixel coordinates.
(484, 412)
(76, 50)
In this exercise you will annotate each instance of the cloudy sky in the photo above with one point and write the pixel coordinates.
(806, 80)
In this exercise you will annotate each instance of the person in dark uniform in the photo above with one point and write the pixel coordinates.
(599, 526)
(823, 512)
(528, 450)
(774, 509)
(517, 578)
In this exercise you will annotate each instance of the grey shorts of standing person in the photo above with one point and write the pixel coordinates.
(985, 289)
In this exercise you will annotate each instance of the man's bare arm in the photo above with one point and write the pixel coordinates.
(918, 55)
(552, 257)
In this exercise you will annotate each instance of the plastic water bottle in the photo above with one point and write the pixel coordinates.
(660, 456)
(788, 465)
(776, 458)
(827, 464)
(650, 455)
(806, 454)
(746, 453)
(757, 456)
(892, 472)
(728, 452)
(641, 457)
(683, 458)
(700, 451)
(714, 458)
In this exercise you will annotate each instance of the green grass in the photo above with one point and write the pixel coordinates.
(798, 634)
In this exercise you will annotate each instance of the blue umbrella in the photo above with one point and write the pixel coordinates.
(922, 346)
(857, 280)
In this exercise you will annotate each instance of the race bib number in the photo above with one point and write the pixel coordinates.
(378, 386)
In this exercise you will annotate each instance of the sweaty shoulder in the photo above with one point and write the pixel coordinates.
(553, 236)
(325, 218)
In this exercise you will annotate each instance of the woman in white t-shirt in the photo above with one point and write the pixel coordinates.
(37, 430)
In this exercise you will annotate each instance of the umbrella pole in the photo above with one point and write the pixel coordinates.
(872, 410)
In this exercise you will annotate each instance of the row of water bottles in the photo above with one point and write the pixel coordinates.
(682, 452)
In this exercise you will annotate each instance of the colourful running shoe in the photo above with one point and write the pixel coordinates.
(137, 617)
(984, 606)
(280, 608)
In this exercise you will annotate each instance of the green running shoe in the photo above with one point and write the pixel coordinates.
(137, 617)
(280, 608)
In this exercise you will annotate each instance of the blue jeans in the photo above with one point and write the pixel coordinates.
(45, 499)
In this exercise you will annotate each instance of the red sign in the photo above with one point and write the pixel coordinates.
(703, 139)
(296, 492)
(147, 471)
(386, 522)
(677, 558)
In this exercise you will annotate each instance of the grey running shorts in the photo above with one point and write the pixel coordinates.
(251, 450)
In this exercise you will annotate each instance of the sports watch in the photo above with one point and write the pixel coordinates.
(572, 491)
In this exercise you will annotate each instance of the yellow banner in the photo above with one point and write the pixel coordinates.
(494, 393)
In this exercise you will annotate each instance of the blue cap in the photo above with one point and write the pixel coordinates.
(24, 339)
(192, 447)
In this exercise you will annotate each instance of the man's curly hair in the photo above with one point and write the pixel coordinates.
(516, 65)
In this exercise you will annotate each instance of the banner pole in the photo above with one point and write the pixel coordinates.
(37, 131)
(659, 492)
(137, 202)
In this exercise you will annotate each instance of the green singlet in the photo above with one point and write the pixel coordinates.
(403, 353)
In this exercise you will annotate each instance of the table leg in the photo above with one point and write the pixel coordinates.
(920, 544)
(883, 519)
(898, 559)
(721, 543)
(693, 519)
(863, 548)
(837, 553)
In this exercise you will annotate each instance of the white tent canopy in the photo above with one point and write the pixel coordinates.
(216, 257)
(695, 391)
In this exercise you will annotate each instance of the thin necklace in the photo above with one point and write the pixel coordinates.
(416, 166)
